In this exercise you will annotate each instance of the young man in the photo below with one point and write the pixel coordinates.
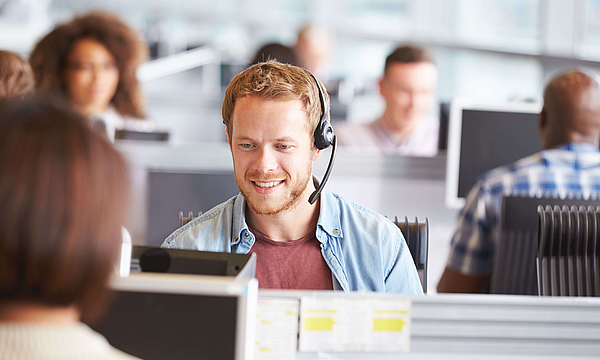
(408, 88)
(569, 166)
(271, 111)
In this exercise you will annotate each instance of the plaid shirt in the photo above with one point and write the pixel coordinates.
(567, 170)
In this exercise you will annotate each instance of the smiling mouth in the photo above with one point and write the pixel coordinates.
(267, 185)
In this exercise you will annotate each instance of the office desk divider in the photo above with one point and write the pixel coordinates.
(439, 326)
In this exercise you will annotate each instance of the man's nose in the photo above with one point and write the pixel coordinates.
(266, 161)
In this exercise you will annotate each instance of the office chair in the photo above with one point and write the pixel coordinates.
(514, 270)
(417, 238)
(568, 253)
(184, 220)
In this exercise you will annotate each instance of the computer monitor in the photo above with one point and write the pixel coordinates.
(167, 316)
(192, 262)
(172, 191)
(482, 138)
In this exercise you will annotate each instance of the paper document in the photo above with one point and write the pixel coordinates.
(354, 325)
(276, 328)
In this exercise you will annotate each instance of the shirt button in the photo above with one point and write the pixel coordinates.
(246, 235)
(336, 231)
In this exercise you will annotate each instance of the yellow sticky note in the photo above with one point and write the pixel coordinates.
(318, 324)
(388, 324)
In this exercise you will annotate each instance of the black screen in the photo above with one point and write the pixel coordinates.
(493, 138)
(171, 326)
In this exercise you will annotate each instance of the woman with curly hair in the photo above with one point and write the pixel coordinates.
(91, 62)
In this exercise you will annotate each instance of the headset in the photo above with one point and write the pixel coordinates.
(324, 137)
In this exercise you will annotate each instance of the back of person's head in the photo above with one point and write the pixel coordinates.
(571, 111)
(49, 58)
(63, 194)
(16, 77)
(407, 54)
(272, 80)
(275, 51)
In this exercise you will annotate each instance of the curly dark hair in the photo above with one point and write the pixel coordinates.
(49, 57)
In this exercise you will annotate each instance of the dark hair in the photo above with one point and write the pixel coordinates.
(16, 77)
(63, 194)
(49, 57)
(274, 51)
(407, 54)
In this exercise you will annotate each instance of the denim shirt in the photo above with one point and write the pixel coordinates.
(363, 249)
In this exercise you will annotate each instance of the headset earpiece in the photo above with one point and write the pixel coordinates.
(324, 132)
(324, 137)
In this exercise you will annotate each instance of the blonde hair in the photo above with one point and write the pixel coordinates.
(16, 77)
(272, 80)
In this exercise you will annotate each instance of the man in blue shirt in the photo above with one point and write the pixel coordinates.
(271, 111)
(570, 165)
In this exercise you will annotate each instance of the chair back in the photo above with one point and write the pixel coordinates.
(568, 254)
(514, 270)
(416, 235)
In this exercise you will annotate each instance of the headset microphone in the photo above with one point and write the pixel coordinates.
(324, 137)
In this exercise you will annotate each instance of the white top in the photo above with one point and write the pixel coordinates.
(110, 120)
(423, 141)
(28, 341)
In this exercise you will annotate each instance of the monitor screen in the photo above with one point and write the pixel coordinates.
(162, 316)
(483, 138)
(170, 192)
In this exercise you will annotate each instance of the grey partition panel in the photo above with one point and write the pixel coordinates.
(171, 192)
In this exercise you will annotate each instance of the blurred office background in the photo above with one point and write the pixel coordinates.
(487, 51)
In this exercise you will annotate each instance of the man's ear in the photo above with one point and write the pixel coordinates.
(317, 154)
(228, 138)
(542, 120)
(381, 87)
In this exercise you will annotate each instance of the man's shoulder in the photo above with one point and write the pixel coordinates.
(355, 215)
(208, 232)
(523, 165)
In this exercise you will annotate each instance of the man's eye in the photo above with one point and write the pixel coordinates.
(246, 146)
(283, 147)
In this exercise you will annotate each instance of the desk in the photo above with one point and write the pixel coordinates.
(486, 326)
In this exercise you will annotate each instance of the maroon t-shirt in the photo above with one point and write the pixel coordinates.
(296, 264)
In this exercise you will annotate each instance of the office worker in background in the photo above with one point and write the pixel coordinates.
(313, 48)
(60, 231)
(405, 128)
(271, 111)
(91, 61)
(16, 78)
(570, 165)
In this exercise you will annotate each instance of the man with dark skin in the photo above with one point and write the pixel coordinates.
(569, 125)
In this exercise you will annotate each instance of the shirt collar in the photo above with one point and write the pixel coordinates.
(581, 147)
(572, 155)
(239, 220)
(329, 215)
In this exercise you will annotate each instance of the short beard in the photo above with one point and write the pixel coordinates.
(292, 200)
